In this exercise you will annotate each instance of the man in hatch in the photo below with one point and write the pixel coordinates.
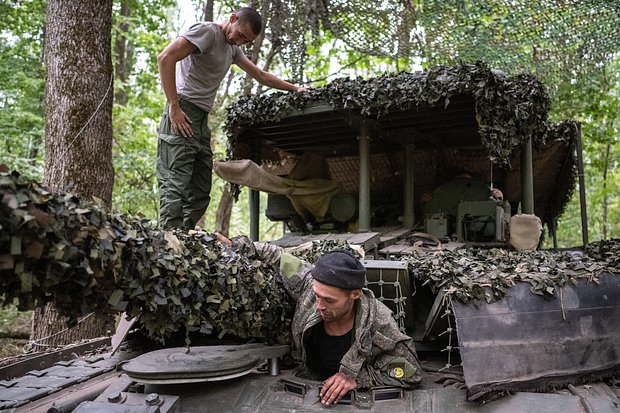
(342, 334)
(184, 158)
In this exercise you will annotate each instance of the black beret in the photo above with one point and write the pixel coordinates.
(339, 268)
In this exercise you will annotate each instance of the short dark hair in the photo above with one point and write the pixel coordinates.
(251, 16)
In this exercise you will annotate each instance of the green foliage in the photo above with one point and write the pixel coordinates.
(570, 46)
(144, 27)
(14, 323)
(57, 249)
(134, 154)
(593, 99)
(22, 85)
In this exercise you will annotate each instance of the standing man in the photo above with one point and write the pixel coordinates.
(342, 335)
(184, 158)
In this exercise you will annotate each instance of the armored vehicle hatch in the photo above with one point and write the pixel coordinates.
(419, 154)
(519, 330)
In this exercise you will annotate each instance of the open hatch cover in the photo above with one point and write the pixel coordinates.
(203, 363)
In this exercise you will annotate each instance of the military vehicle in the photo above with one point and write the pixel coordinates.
(400, 167)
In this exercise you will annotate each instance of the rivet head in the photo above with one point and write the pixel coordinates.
(115, 397)
(153, 399)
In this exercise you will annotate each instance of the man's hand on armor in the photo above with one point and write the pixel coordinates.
(181, 123)
(335, 387)
(223, 239)
(497, 194)
(426, 197)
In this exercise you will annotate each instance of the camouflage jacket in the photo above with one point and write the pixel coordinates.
(380, 355)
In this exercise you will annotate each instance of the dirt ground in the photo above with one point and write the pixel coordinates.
(11, 347)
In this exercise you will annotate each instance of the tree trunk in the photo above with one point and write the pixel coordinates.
(224, 211)
(207, 11)
(256, 48)
(605, 196)
(78, 128)
(123, 51)
(78, 141)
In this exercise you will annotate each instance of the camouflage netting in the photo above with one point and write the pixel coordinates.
(509, 109)
(472, 275)
(549, 38)
(319, 248)
(54, 248)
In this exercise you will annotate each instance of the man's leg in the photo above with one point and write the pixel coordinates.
(175, 160)
(200, 183)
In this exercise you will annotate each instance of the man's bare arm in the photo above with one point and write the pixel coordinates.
(267, 78)
(176, 51)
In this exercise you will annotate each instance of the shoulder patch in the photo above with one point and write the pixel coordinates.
(289, 265)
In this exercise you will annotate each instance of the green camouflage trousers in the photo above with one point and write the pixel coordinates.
(184, 170)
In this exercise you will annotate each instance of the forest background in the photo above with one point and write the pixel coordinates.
(572, 46)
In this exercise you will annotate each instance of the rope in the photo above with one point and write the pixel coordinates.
(36, 342)
(91, 117)
(398, 299)
(420, 244)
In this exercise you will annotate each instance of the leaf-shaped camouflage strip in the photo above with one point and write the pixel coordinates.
(55, 248)
(509, 109)
(476, 274)
(321, 247)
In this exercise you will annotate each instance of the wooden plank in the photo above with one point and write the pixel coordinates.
(393, 249)
(290, 239)
(409, 250)
(396, 233)
(338, 237)
(364, 237)
(367, 240)
(392, 237)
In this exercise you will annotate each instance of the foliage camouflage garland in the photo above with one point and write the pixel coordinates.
(487, 274)
(475, 274)
(322, 247)
(509, 110)
(54, 248)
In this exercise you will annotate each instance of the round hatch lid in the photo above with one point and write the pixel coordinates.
(203, 363)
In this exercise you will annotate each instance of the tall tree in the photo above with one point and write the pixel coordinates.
(123, 52)
(78, 130)
(21, 85)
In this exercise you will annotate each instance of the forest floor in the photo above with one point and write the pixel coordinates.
(14, 331)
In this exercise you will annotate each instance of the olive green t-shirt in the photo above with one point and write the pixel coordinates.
(199, 75)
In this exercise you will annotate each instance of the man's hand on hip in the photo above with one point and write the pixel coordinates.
(180, 122)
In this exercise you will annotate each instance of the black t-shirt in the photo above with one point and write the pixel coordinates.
(324, 352)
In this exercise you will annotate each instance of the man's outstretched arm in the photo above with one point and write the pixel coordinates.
(266, 78)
